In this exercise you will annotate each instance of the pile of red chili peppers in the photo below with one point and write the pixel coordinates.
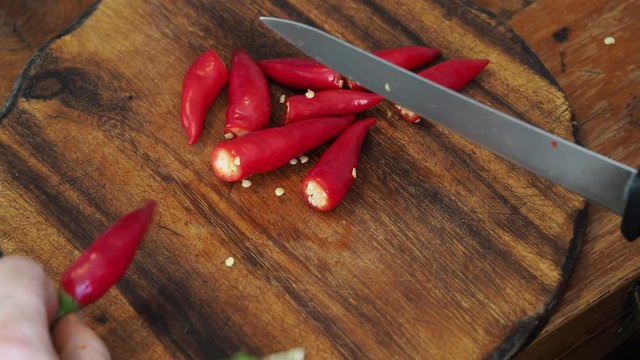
(324, 112)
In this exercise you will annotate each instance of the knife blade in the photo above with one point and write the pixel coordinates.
(597, 178)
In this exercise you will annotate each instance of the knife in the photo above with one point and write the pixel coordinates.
(595, 177)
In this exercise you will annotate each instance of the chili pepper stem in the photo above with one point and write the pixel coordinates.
(66, 305)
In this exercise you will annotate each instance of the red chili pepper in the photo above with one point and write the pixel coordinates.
(331, 177)
(452, 74)
(409, 57)
(104, 262)
(329, 103)
(249, 103)
(268, 149)
(200, 86)
(301, 74)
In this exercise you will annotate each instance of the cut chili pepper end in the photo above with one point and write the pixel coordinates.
(316, 195)
(235, 132)
(407, 114)
(310, 94)
(225, 165)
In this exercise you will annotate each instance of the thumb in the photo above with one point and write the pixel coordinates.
(74, 340)
(27, 300)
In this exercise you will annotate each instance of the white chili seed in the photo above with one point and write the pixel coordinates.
(246, 183)
(230, 261)
(353, 173)
(387, 87)
(228, 136)
(609, 40)
(236, 161)
(340, 83)
(279, 191)
(293, 161)
(282, 97)
(304, 159)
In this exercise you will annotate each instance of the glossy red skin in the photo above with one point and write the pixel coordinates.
(452, 74)
(409, 57)
(301, 74)
(271, 148)
(333, 169)
(329, 103)
(200, 87)
(108, 258)
(248, 96)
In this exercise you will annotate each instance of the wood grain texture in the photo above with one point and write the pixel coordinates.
(602, 84)
(27, 25)
(441, 249)
(504, 9)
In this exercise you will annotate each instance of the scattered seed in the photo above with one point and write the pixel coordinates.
(279, 191)
(236, 161)
(293, 161)
(228, 136)
(609, 40)
(292, 354)
(230, 261)
(353, 173)
(282, 97)
(246, 183)
(340, 83)
(304, 159)
(310, 94)
(387, 87)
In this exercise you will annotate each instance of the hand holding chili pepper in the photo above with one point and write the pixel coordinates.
(200, 86)
(249, 103)
(330, 179)
(104, 262)
(29, 304)
(329, 103)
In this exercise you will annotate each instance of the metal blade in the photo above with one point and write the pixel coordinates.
(595, 177)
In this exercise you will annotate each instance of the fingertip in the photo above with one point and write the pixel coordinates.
(73, 340)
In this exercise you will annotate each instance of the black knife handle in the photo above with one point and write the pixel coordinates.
(631, 217)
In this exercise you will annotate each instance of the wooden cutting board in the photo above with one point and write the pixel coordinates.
(441, 250)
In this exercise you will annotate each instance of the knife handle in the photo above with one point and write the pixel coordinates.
(631, 218)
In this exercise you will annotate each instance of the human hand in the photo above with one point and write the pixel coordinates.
(28, 303)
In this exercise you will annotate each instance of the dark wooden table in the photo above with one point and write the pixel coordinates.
(601, 82)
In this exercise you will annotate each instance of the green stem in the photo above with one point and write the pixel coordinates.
(66, 305)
